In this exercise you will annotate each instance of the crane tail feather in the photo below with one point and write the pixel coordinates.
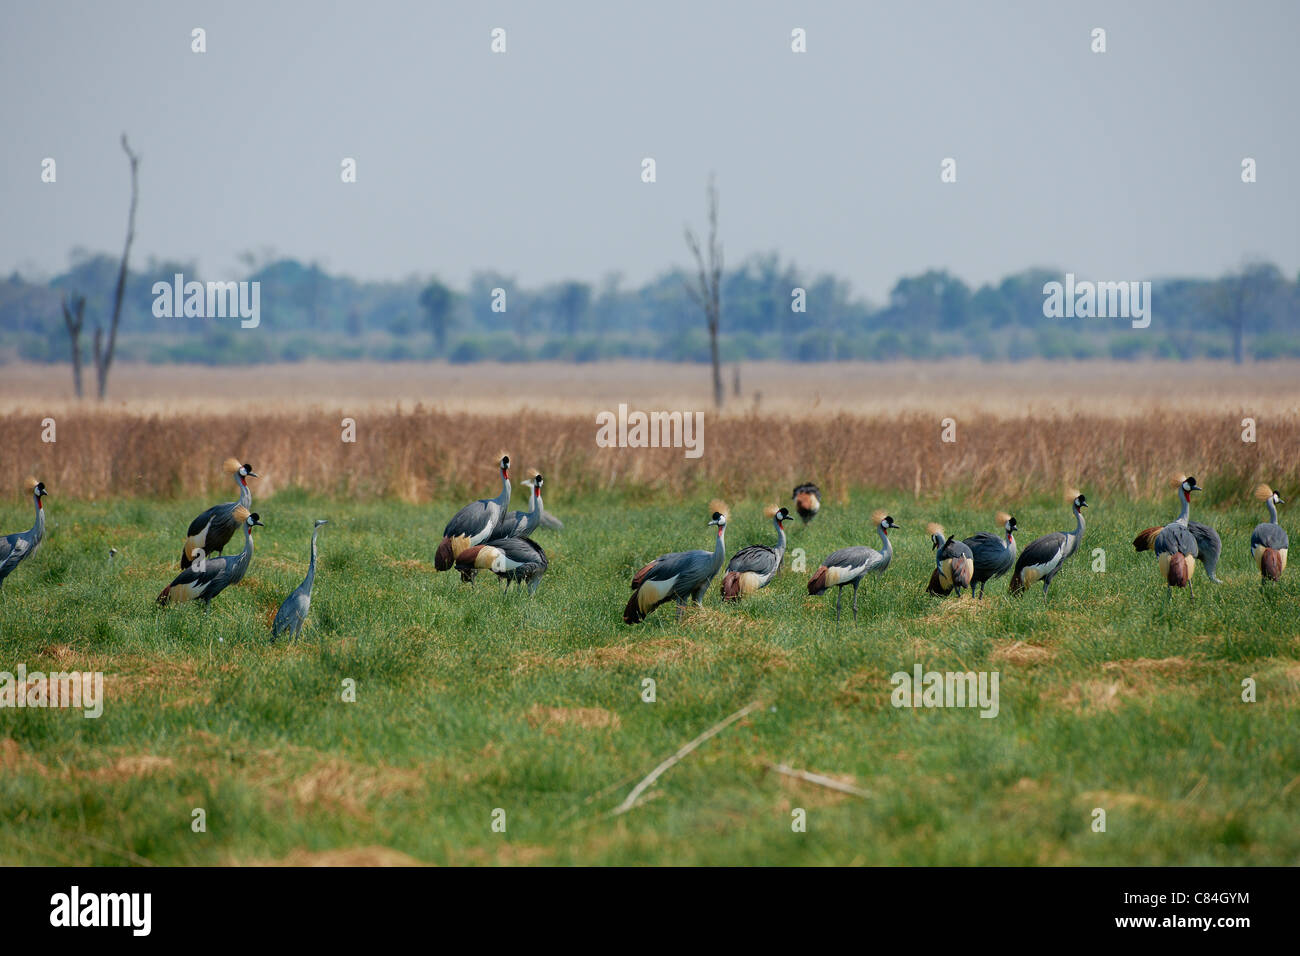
(818, 584)
(1146, 540)
(632, 614)
(1271, 564)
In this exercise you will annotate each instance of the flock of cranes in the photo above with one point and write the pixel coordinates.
(485, 536)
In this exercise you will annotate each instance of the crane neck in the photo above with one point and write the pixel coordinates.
(1079, 524)
(780, 540)
(503, 499)
(1186, 510)
(38, 526)
(1272, 510)
(311, 567)
(720, 549)
(886, 548)
(245, 493)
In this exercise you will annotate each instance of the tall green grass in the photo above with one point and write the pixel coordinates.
(1113, 696)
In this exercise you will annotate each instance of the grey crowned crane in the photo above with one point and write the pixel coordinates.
(1208, 544)
(473, 524)
(1044, 557)
(994, 554)
(1268, 542)
(954, 563)
(516, 524)
(851, 565)
(682, 576)
(205, 579)
(213, 529)
(516, 559)
(1175, 546)
(293, 612)
(519, 524)
(754, 567)
(17, 547)
(807, 500)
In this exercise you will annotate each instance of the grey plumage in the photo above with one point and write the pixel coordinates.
(18, 547)
(475, 523)
(1269, 542)
(213, 529)
(1044, 557)
(994, 554)
(954, 564)
(1208, 547)
(519, 524)
(514, 560)
(681, 576)
(293, 612)
(202, 581)
(754, 567)
(851, 565)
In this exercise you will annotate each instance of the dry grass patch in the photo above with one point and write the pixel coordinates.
(551, 719)
(131, 768)
(348, 787)
(653, 653)
(1021, 654)
(343, 856)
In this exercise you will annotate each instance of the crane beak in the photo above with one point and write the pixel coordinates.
(253, 474)
(1197, 488)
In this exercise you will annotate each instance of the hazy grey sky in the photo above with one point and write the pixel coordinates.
(1117, 165)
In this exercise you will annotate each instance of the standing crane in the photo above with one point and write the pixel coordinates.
(473, 524)
(16, 547)
(1044, 556)
(212, 530)
(754, 567)
(851, 565)
(293, 612)
(204, 580)
(954, 563)
(994, 554)
(1175, 546)
(681, 576)
(518, 524)
(1268, 542)
(1208, 543)
(807, 500)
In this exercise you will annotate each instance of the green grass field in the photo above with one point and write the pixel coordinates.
(1111, 697)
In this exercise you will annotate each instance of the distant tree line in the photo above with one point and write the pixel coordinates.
(308, 312)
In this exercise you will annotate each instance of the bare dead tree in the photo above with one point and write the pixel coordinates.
(708, 292)
(74, 318)
(103, 350)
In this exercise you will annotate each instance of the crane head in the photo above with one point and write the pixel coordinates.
(719, 519)
(505, 466)
(254, 521)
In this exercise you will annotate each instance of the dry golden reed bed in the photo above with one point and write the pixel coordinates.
(423, 454)
(433, 430)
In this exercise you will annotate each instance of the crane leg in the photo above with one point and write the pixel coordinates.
(855, 602)
(1046, 584)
